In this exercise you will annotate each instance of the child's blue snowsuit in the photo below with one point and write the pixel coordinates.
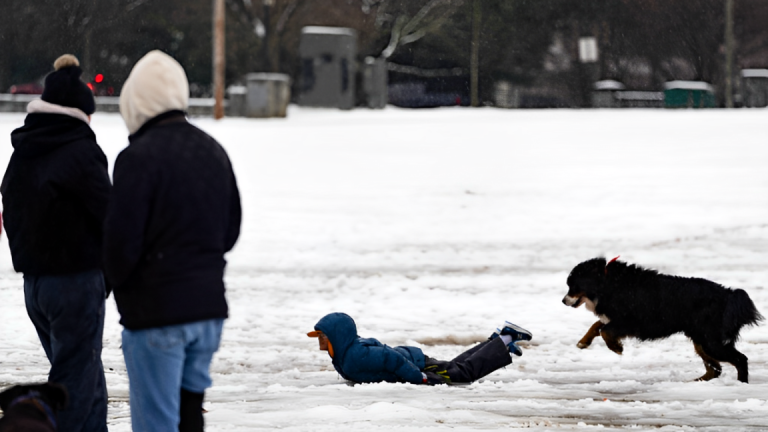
(368, 360)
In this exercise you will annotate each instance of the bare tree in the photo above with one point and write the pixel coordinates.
(407, 29)
(268, 19)
(33, 33)
(87, 18)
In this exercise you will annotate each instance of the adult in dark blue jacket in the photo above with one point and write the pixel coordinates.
(174, 213)
(366, 360)
(55, 195)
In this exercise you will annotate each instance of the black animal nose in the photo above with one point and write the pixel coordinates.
(564, 302)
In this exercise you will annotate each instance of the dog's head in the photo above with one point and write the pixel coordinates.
(49, 394)
(585, 283)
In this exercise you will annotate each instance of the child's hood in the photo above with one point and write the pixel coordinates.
(340, 329)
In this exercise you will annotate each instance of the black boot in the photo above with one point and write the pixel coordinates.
(191, 411)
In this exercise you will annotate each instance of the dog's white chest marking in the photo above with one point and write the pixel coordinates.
(590, 305)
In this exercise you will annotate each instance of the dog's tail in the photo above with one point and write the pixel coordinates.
(739, 312)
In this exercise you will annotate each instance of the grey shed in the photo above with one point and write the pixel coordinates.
(327, 67)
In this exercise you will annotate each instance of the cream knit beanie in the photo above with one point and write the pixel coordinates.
(157, 84)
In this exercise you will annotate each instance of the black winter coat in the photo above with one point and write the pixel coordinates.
(175, 211)
(55, 194)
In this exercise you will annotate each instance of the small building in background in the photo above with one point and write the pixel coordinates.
(327, 67)
(755, 87)
(604, 93)
(613, 94)
(689, 94)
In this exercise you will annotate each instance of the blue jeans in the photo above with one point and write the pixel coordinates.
(68, 314)
(161, 361)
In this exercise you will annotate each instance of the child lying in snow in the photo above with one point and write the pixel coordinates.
(368, 360)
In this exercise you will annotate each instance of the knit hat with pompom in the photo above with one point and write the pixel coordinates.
(64, 87)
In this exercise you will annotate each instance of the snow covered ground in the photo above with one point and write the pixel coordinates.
(430, 228)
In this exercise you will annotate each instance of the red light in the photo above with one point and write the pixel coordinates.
(98, 78)
(90, 86)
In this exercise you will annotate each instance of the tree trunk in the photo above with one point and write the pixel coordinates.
(86, 58)
(474, 62)
(268, 37)
(729, 48)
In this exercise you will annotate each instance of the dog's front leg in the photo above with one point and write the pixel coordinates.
(591, 334)
(612, 337)
(713, 366)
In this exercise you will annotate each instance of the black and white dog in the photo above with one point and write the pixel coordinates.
(631, 301)
(31, 408)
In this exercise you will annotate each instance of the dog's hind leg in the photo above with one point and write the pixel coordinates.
(591, 334)
(713, 366)
(729, 354)
(612, 337)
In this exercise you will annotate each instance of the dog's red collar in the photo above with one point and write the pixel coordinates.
(606, 266)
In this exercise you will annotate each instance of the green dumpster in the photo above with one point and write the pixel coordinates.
(689, 94)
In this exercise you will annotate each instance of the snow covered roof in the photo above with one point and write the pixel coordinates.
(341, 31)
(267, 76)
(237, 89)
(754, 73)
(688, 85)
(609, 85)
(640, 96)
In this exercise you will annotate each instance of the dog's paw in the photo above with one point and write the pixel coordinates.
(711, 374)
(582, 345)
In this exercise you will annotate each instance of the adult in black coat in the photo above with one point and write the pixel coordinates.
(55, 194)
(174, 213)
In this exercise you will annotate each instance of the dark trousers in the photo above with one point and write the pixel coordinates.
(476, 362)
(68, 314)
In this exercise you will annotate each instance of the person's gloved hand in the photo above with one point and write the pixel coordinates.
(434, 375)
(432, 378)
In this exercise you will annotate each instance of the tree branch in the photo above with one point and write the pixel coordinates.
(244, 10)
(381, 14)
(370, 4)
(406, 31)
(394, 38)
(133, 5)
(416, 20)
(286, 15)
(429, 73)
(435, 24)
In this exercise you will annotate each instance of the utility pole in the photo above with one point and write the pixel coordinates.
(729, 49)
(218, 58)
(474, 61)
